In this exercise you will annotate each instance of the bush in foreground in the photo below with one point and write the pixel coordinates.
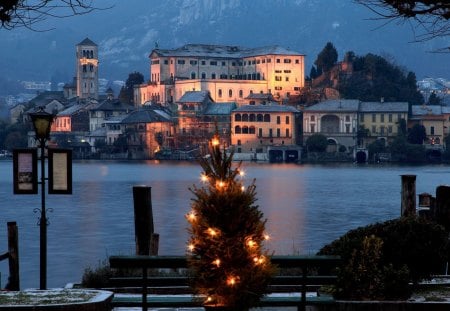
(380, 260)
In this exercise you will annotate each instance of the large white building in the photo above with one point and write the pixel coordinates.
(229, 73)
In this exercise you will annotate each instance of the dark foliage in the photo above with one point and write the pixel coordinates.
(374, 78)
(316, 143)
(409, 249)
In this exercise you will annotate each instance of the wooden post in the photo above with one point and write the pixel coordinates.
(442, 206)
(13, 249)
(408, 204)
(146, 239)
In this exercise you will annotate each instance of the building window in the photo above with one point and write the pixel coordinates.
(432, 130)
(278, 78)
(213, 63)
(382, 117)
(399, 117)
(251, 130)
(166, 62)
(347, 128)
(278, 133)
(259, 118)
(313, 128)
(203, 75)
(230, 93)
(287, 132)
(361, 117)
(390, 117)
(252, 117)
(181, 62)
(241, 93)
(237, 129)
(278, 60)
(287, 60)
(297, 61)
(287, 120)
(213, 75)
(313, 118)
(223, 64)
(239, 142)
(260, 132)
(237, 117)
(347, 118)
(286, 79)
(220, 93)
(193, 62)
(390, 128)
(192, 75)
(245, 117)
(203, 63)
(374, 117)
(267, 117)
(270, 132)
(278, 120)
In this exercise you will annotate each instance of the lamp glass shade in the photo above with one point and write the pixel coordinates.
(42, 122)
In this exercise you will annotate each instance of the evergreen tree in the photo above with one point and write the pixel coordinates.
(230, 267)
(126, 92)
(327, 58)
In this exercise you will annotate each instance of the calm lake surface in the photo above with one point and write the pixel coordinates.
(306, 206)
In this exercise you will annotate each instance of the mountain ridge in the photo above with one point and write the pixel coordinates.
(126, 34)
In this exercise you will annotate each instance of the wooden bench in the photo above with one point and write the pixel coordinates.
(298, 276)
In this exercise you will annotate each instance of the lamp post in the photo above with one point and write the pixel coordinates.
(42, 122)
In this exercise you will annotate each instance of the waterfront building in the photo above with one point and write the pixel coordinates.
(382, 121)
(256, 128)
(229, 73)
(147, 131)
(104, 110)
(436, 121)
(87, 69)
(336, 119)
(199, 117)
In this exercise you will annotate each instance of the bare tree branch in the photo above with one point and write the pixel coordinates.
(27, 13)
(432, 17)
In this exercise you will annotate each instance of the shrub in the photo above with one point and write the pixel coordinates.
(392, 253)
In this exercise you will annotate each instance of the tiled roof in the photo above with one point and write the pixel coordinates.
(87, 41)
(112, 105)
(383, 107)
(266, 96)
(266, 108)
(222, 51)
(71, 110)
(421, 110)
(145, 116)
(194, 97)
(219, 109)
(335, 105)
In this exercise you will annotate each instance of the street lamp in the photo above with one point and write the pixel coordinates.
(42, 122)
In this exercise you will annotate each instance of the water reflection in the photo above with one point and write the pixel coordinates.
(306, 206)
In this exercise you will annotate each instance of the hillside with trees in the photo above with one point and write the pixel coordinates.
(367, 78)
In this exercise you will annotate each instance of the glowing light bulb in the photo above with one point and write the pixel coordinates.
(243, 188)
(204, 178)
(212, 232)
(241, 173)
(191, 247)
(231, 281)
(191, 216)
(266, 237)
(217, 262)
(209, 299)
(221, 184)
(251, 243)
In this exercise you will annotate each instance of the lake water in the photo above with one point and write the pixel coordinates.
(306, 206)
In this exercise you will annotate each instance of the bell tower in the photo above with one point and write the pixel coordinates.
(87, 69)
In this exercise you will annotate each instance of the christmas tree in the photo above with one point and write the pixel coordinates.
(230, 266)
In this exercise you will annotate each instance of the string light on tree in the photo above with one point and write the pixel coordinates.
(227, 231)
